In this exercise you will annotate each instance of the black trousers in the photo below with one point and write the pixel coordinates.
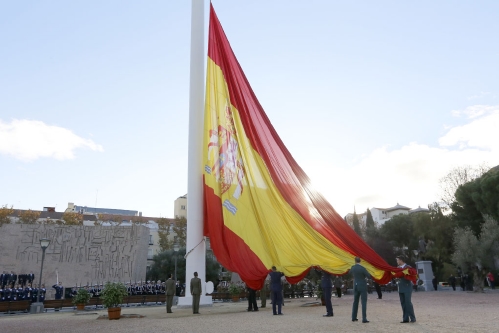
(252, 300)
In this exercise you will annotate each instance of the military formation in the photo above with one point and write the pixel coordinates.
(133, 288)
(20, 287)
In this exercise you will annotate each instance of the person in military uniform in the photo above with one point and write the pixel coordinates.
(196, 293)
(28, 292)
(34, 293)
(170, 292)
(338, 282)
(42, 292)
(59, 290)
(263, 294)
(360, 274)
(405, 292)
(8, 293)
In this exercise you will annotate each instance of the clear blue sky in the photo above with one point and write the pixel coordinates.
(376, 100)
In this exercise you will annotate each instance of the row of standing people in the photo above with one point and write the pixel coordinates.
(12, 279)
(138, 288)
(19, 293)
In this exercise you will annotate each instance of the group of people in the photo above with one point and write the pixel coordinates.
(20, 287)
(133, 288)
(18, 293)
(11, 279)
(360, 277)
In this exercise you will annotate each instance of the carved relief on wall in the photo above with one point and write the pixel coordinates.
(94, 253)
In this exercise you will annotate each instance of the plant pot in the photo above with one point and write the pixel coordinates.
(80, 306)
(235, 298)
(114, 313)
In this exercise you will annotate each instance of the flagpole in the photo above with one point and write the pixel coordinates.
(195, 245)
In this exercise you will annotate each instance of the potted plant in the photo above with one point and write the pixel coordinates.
(112, 297)
(235, 291)
(81, 298)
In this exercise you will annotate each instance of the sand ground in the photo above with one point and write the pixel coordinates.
(445, 311)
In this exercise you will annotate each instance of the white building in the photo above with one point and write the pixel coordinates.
(180, 207)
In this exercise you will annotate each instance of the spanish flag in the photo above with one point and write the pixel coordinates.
(259, 207)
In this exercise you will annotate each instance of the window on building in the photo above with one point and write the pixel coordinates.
(150, 240)
(182, 207)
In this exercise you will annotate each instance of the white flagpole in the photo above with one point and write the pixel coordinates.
(195, 247)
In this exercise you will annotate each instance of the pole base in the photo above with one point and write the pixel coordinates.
(186, 302)
(36, 307)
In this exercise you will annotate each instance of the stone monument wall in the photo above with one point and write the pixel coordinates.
(76, 254)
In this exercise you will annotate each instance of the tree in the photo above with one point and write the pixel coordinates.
(457, 177)
(164, 265)
(477, 198)
(369, 219)
(477, 253)
(5, 213)
(180, 230)
(164, 225)
(380, 245)
(29, 216)
(72, 218)
(356, 224)
(435, 228)
(399, 231)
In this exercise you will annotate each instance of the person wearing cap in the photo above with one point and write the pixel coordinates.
(405, 292)
(360, 274)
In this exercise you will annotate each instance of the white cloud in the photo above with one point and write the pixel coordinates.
(28, 140)
(481, 133)
(475, 111)
(480, 95)
(409, 175)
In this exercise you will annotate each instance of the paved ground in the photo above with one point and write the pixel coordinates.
(444, 311)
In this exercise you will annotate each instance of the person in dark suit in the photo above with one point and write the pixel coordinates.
(178, 288)
(195, 292)
(434, 282)
(360, 274)
(31, 277)
(170, 291)
(405, 292)
(452, 282)
(252, 306)
(327, 292)
(378, 289)
(276, 290)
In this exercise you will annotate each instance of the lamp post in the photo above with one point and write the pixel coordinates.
(176, 247)
(38, 307)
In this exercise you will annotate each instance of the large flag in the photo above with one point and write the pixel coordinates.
(259, 207)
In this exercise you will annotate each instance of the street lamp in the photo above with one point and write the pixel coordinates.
(38, 307)
(176, 247)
